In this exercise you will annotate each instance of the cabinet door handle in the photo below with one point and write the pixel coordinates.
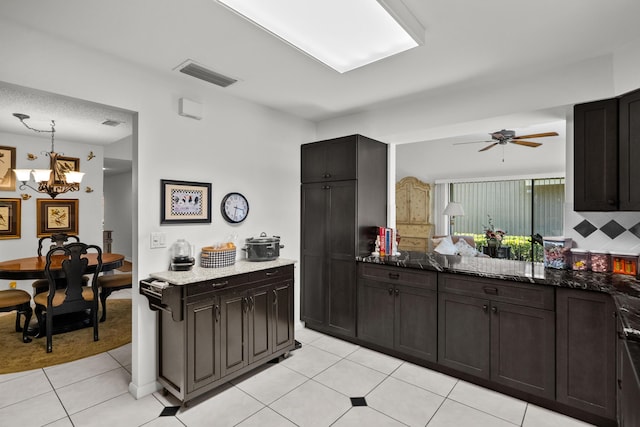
(397, 292)
(326, 187)
(217, 312)
(245, 304)
(326, 175)
(275, 297)
(390, 291)
(491, 291)
(394, 276)
(485, 307)
(252, 303)
(220, 285)
(494, 309)
(271, 273)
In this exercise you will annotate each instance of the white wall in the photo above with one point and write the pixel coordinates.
(237, 146)
(89, 204)
(118, 212)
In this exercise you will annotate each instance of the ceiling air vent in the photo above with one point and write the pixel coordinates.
(205, 74)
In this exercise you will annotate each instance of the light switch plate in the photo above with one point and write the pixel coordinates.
(158, 240)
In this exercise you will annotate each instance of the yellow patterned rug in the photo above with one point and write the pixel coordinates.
(18, 356)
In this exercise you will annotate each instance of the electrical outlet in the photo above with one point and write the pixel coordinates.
(158, 240)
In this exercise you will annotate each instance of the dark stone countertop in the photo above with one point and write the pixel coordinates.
(624, 289)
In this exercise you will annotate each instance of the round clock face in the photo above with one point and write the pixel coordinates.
(234, 208)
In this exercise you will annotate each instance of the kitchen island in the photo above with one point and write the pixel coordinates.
(566, 340)
(215, 324)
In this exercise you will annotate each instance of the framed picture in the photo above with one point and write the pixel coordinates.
(60, 165)
(56, 216)
(10, 218)
(185, 202)
(7, 165)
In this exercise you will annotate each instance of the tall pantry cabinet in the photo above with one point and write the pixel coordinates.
(343, 199)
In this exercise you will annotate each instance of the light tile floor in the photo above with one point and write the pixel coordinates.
(312, 387)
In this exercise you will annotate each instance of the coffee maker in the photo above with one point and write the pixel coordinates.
(181, 256)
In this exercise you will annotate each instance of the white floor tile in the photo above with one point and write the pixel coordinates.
(121, 411)
(37, 411)
(426, 378)
(14, 375)
(485, 400)
(374, 360)
(454, 414)
(307, 336)
(270, 384)
(122, 354)
(350, 378)
(310, 361)
(361, 416)
(540, 417)
(312, 405)
(78, 370)
(222, 410)
(24, 387)
(404, 402)
(95, 390)
(266, 418)
(335, 346)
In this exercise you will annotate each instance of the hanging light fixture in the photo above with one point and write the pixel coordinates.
(70, 181)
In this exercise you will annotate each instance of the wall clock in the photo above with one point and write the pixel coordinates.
(234, 208)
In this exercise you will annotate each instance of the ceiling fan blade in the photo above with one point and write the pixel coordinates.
(469, 142)
(536, 135)
(527, 143)
(488, 146)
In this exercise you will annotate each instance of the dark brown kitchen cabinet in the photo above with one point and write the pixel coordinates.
(628, 385)
(231, 325)
(397, 310)
(629, 152)
(339, 214)
(203, 342)
(498, 330)
(586, 351)
(606, 152)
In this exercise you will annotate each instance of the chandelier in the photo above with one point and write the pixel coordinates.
(68, 180)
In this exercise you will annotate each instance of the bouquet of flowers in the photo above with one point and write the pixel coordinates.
(493, 234)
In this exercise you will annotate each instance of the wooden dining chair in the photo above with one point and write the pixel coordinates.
(110, 283)
(73, 297)
(20, 301)
(54, 241)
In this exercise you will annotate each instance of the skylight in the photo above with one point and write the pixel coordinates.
(343, 34)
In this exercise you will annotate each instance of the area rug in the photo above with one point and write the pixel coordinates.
(18, 356)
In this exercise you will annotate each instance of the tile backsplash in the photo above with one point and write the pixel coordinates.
(613, 231)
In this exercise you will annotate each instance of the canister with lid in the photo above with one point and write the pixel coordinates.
(600, 261)
(579, 259)
(624, 263)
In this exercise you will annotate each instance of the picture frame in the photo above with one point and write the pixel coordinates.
(62, 164)
(7, 165)
(10, 218)
(56, 216)
(185, 202)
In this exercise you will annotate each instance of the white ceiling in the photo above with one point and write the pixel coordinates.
(467, 41)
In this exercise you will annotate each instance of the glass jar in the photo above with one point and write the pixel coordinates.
(579, 259)
(600, 261)
(624, 263)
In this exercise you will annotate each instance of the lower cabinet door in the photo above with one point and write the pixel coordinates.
(259, 335)
(375, 312)
(416, 322)
(523, 348)
(203, 343)
(233, 332)
(463, 336)
(282, 315)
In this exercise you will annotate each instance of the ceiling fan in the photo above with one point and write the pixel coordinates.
(502, 137)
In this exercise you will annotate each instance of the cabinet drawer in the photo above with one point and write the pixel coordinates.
(405, 276)
(537, 296)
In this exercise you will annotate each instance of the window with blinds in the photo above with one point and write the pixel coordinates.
(522, 208)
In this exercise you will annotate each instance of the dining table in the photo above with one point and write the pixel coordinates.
(33, 268)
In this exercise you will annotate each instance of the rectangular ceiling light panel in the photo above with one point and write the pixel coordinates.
(344, 34)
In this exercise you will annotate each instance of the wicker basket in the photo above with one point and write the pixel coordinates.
(215, 258)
